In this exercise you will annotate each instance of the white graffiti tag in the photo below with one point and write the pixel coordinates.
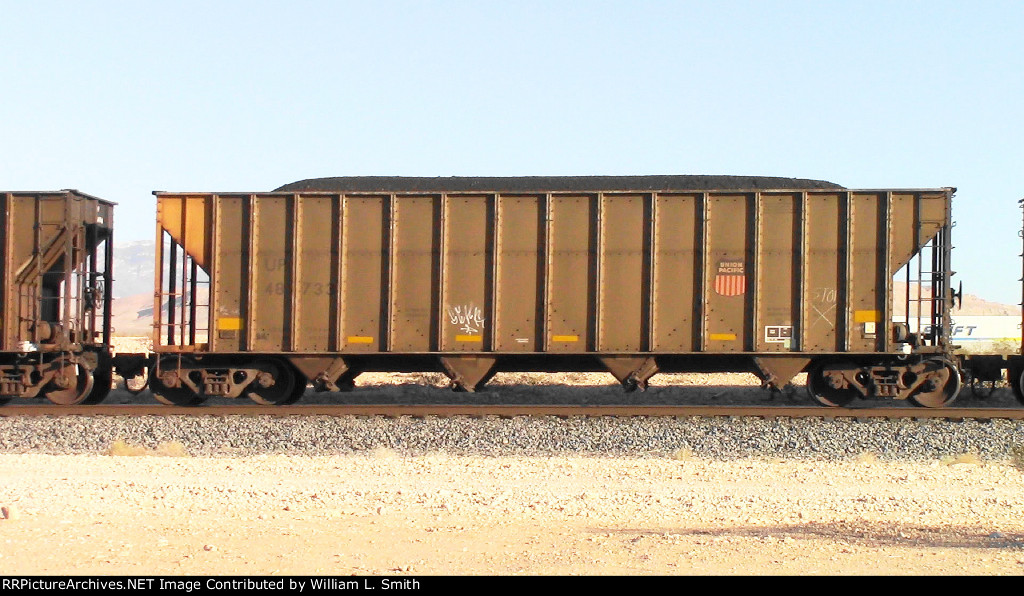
(826, 312)
(469, 318)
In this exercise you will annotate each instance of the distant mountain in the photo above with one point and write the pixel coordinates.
(972, 305)
(132, 311)
(130, 317)
(133, 268)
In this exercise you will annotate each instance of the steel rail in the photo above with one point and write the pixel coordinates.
(509, 411)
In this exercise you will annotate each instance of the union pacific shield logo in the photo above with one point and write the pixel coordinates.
(731, 279)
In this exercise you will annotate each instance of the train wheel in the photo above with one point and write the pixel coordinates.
(948, 385)
(78, 384)
(172, 396)
(821, 391)
(103, 380)
(1018, 387)
(138, 383)
(1015, 376)
(300, 389)
(276, 384)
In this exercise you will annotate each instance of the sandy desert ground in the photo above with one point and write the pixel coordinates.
(382, 513)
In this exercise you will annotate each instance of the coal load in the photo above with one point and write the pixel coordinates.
(551, 183)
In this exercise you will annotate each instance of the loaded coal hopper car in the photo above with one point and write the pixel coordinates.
(258, 294)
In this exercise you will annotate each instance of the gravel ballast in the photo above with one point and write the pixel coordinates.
(709, 437)
(718, 437)
(367, 495)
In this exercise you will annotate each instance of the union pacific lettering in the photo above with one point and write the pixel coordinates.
(731, 267)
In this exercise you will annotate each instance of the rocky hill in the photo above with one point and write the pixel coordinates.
(972, 305)
(133, 268)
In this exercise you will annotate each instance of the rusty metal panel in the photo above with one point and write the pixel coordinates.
(622, 316)
(520, 263)
(903, 215)
(572, 281)
(187, 219)
(868, 273)
(364, 269)
(22, 298)
(729, 224)
(822, 294)
(315, 303)
(413, 281)
(678, 221)
(916, 217)
(49, 265)
(6, 233)
(230, 274)
(467, 322)
(778, 264)
(273, 279)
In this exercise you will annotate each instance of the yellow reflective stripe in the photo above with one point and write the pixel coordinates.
(229, 323)
(867, 316)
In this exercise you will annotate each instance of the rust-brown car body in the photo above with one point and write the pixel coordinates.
(259, 293)
(55, 295)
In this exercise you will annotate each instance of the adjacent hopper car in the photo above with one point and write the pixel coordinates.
(260, 294)
(55, 296)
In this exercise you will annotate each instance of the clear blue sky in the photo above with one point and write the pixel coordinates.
(122, 98)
